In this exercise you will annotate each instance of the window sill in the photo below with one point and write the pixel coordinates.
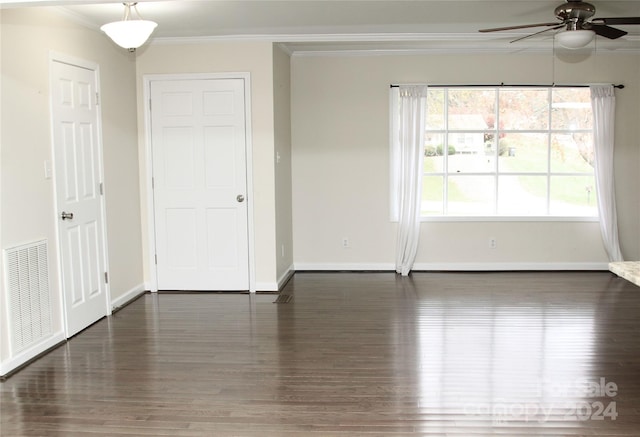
(455, 219)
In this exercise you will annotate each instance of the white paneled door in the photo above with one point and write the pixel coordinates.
(77, 153)
(198, 139)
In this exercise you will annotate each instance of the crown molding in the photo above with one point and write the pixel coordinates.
(364, 44)
(444, 50)
(75, 17)
(335, 37)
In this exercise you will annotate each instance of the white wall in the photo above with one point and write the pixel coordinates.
(28, 35)
(340, 158)
(235, 57)
(282, 134)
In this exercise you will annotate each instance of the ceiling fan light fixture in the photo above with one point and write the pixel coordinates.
(129, 33)
(575, 39)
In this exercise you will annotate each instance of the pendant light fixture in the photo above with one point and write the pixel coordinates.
(575, 39)
(129, 33)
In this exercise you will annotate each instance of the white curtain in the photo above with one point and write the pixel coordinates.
(410, 158)
(603, 104)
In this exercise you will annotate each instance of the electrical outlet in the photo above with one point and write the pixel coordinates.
(492, 243)
(345, 242)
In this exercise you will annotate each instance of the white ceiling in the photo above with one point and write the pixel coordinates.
(309, 26)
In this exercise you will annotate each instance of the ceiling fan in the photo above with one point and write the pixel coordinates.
(580, 28)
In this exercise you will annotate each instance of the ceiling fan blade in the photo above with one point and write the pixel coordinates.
(618, 20)
(606, 31)
(538, 33)
(523, 26)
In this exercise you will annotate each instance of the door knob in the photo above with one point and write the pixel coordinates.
(66, 215)
(240, 198)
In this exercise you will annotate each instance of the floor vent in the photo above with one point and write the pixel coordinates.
(283, 298)
(28, 295)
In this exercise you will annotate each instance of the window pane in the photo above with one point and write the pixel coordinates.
(466, 142)
(480, 160)
(572, 153)
(522, 195)
(573, 196)
(432, 195)
(524, 109)
(471, 195)
(509, 151)
(433, 157)
(435, 108)
(571, 109)
(471, 108)
(523, 152)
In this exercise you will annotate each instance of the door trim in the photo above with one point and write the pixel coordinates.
(146, 182)
(80, 63)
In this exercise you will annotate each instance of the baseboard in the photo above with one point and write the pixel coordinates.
(453, 266)
(128, 297)
(489, 267)
(345, 267)
(266, 286)
(25, 357)
(285, 277)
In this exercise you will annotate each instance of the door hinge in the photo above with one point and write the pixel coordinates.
(97, 99)
(153, 183)
(106, 277)
(101, 189)
(156, 258)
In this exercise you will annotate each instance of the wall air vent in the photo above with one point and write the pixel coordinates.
(29, 300)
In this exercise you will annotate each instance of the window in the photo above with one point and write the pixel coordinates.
(508, 152)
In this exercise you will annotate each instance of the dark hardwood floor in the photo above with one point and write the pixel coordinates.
(350, 354)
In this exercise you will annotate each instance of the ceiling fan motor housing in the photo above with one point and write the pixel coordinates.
(574, 13)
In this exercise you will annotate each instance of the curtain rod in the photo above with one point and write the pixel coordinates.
(553, 85)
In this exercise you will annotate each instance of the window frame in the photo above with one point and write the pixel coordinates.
(548, 174)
